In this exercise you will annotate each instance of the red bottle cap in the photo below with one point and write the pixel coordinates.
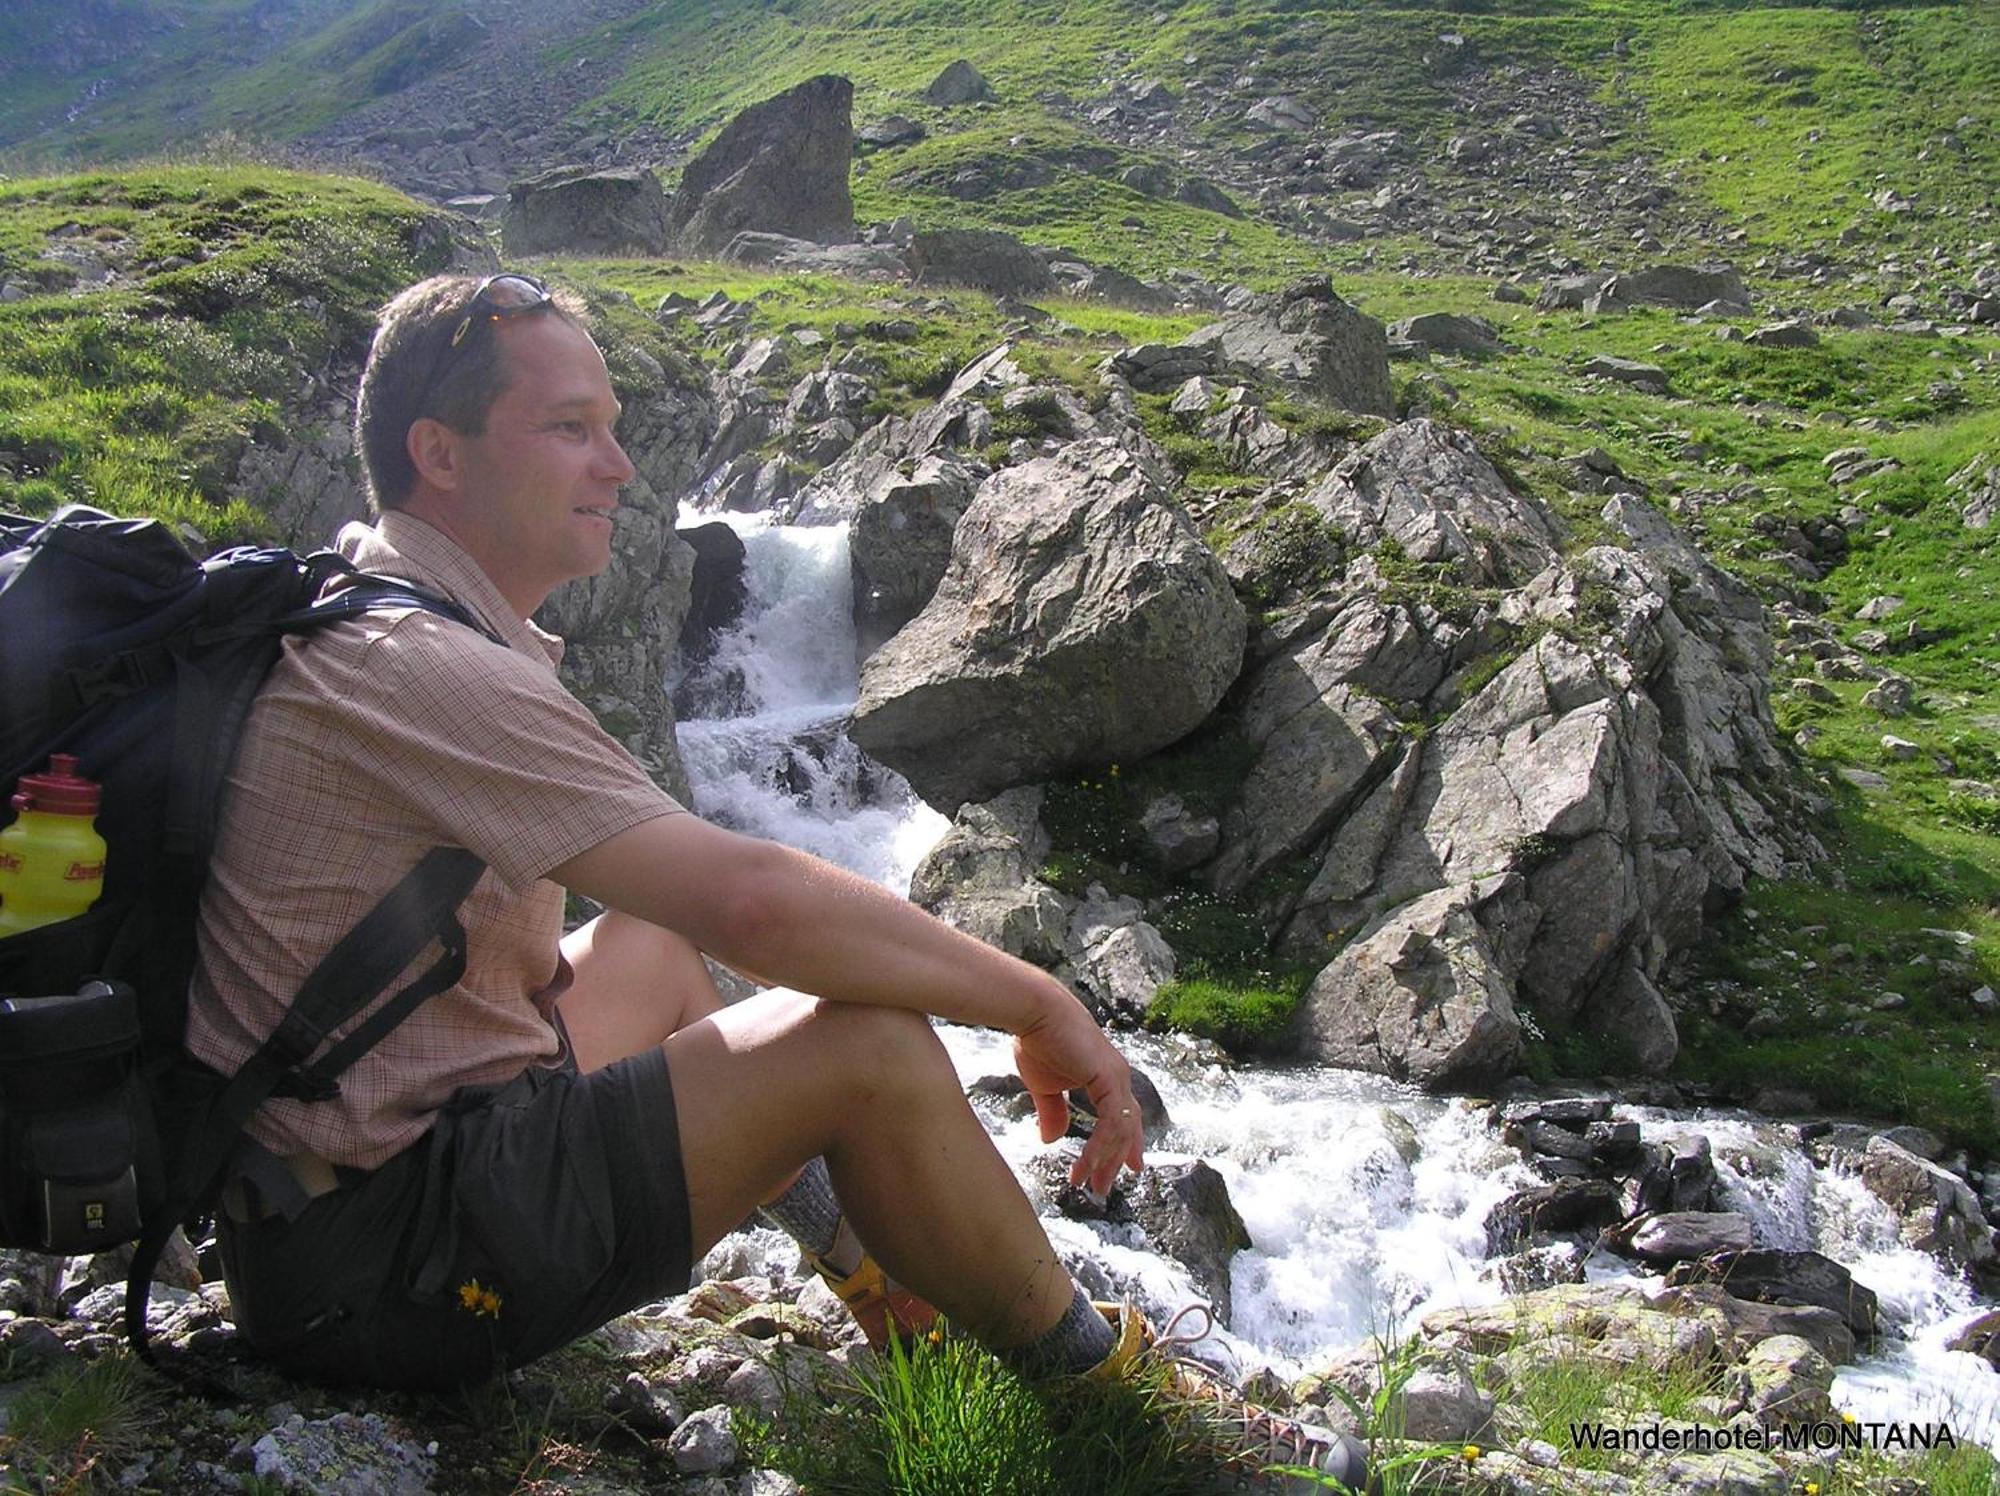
(59, 790)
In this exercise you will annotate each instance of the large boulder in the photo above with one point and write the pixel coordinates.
(1419, 996)
(1596, 761)
(980, 878)
(1081, 621)
(863, 262)
(579, 211)
(1448, 332)
(1425, 486)
(1771, 1277)
(960, 83)
(1938, 1211)
(900, 542)
(984, 259)
(1314, 342)
(1680, 286)
(1187, 1214)
(779, 167)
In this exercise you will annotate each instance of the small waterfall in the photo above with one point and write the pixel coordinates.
(1366, 1200)
(774, 761)
(1797, 1207)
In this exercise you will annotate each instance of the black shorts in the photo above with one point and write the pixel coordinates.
(530, 1214)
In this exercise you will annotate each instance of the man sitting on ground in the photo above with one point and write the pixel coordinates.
(558, 1137)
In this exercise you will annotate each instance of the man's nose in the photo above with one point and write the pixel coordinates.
(613, 463)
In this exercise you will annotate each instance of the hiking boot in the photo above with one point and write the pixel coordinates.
(1255, 1443)
(880, 1305)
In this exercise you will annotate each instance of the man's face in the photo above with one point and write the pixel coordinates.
(540, 485)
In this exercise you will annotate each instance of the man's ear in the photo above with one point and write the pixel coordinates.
(433, 450)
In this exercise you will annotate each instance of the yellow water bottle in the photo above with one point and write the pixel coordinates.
(51, 858)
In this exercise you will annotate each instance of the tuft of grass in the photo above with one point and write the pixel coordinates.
(1241, 1019)
(945, 1419)
(69, 1427)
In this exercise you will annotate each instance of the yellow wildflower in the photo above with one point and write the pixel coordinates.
(1114, 771)
(1849, 1418)
(1812, 1488)
(1470, 1453)
(478, 1298)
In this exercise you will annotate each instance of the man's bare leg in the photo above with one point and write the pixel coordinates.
(762, 1086)
(755, 1084)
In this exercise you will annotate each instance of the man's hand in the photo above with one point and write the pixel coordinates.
(1064, 1049)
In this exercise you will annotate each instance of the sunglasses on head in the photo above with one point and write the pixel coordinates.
(498, 298)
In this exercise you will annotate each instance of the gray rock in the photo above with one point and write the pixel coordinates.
(1788, 1382)
(1884, 605)
(1316, 343)
(1772, 1277)
(863, 262)
(754, 1386)
(1642, 376)
(1795, 333)
(1677, 1236)
(345, 1455)
(900, 542)
(889, 132)
(1178, 840)
(1425, 486)
(1442, 1405)
(779, 167)
(1571, 292)
(1567, 1205)
(1153, 367)
(1683, 286)
(1281, 112)
(1199, 192)
(1981, 1338)
(1448, 332)
(985, 259)
(980, 878)
(1121, 969)
(1892, 696)
(1739, 1472)
(705, 1443)
(1751, 1323)
(960, 83)
(1419, 996)
(579, 211)
(1080, 621)
(1939, 1213)
(649, 1408)
(1186, 1212)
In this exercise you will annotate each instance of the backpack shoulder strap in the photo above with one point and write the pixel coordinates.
(420, 908)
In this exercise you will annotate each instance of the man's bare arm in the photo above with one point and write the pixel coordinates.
(804, 923)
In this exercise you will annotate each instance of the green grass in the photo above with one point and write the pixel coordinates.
(946, 1419)
(142, 396)
(70, 1428)
(1793, 119)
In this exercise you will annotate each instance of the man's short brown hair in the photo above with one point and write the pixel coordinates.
(414, 372)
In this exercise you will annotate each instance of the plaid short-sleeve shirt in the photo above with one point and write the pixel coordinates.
(371, 742)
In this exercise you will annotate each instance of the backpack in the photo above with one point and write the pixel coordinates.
(117, 646)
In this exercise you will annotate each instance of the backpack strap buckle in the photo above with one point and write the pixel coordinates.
(118, 675)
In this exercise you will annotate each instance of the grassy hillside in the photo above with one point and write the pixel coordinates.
(176, 311)
(1786, 121)
(179, 307)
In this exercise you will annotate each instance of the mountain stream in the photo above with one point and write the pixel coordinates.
(1365, 1199)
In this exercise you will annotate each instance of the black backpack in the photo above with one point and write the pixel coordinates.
(117, 646)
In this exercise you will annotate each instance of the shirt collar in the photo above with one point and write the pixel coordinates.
(401, 545)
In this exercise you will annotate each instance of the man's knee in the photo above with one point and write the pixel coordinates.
(882, 1048)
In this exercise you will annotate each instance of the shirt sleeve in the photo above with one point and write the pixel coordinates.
(485, 745)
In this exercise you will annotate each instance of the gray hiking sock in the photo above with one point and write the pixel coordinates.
(808, 1212)
(1075, 1343)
